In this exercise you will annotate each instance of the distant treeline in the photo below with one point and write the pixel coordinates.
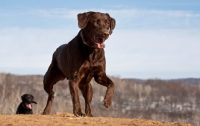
(164, 100)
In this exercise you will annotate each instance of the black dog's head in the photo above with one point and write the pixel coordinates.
(96, 27)
(27, 99)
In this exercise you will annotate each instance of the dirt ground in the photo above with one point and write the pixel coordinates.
(68, 119)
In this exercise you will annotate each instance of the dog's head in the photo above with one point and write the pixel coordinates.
(96, 27)
(27, 99)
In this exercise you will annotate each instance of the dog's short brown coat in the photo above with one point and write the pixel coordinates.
(80, 60)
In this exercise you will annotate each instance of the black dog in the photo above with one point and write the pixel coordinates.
(25, 107)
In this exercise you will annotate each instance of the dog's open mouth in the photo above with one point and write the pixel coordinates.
(28, 105)
(98, 42)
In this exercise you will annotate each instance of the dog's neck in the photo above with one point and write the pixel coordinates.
(89, 50)
(83, 39)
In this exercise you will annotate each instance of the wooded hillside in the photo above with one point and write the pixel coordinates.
(163, 100)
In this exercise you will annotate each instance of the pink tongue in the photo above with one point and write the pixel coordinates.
(100, 45)
(29, 106)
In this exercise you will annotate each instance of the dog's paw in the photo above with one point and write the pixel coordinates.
(79, 114)
(107, 103)
(46, 112)
(88, 115)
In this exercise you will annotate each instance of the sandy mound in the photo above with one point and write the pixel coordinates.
(63, 119)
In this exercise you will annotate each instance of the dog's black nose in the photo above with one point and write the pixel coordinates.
(106, 33)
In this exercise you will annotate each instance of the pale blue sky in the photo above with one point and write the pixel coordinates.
(152, 38)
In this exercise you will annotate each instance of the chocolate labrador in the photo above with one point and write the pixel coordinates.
(25, 107)
(80, 60)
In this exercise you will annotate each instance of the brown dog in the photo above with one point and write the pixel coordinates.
(80, 60)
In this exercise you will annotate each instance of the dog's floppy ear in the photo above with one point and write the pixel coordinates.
(83, 19)
(112, 24)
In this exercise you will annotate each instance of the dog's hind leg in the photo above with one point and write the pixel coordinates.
(86, 90)
(52, 76)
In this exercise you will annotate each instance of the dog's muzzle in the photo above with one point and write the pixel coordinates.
(98, 42)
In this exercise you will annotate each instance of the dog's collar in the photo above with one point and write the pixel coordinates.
(83, 40)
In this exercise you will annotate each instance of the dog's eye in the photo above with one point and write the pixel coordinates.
(107, 22)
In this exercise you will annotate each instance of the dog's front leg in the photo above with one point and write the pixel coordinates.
(87, 93)
(103, 79)
(73, 86)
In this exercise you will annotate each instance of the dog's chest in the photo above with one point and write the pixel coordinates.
(89, 67)
(93, 59)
